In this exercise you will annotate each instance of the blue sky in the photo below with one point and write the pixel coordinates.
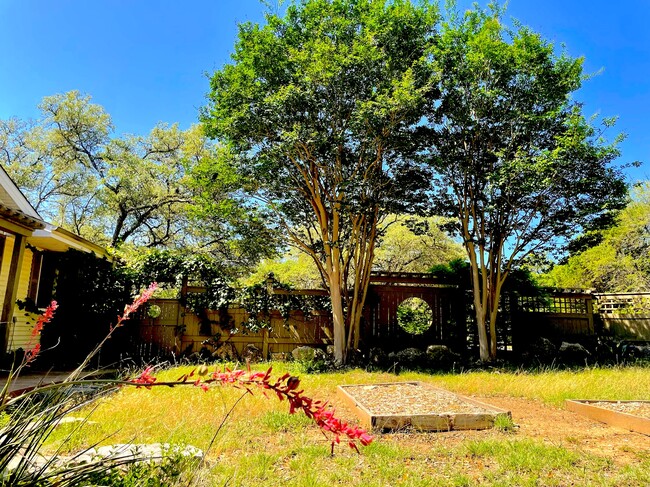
(146, 61)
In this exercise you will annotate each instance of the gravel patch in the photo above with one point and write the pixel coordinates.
(636, 408)
(406, 398)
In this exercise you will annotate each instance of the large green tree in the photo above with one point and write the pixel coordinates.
(80, 177)
(171, 188)
(518, 166)
(317, 105)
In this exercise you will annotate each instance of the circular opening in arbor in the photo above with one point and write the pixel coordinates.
(153, 311)
(414, 316)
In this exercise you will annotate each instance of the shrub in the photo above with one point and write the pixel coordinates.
(441, 357)
(409, 358)
(311, 359)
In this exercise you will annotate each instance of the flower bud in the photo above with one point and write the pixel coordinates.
(293, 383)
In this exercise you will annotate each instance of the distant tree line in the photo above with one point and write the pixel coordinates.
(170, 189)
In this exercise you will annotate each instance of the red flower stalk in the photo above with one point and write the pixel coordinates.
(35, 346)
(145, 378)
(286, 387)
(133, 307)
(46, 317)
(32, 353)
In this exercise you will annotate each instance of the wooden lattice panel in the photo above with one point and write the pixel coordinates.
(614, 304)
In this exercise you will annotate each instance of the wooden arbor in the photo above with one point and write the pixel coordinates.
(388, 290)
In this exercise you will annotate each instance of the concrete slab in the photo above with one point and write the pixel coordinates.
(31, 380)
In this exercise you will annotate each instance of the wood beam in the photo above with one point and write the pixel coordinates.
(6, 318)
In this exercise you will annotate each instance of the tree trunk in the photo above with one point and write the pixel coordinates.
(365, 255)
(479, 305)
(493, 326)
(484, 347)
(479, 281)
(333, 265)
(338, 318)
(496, 285)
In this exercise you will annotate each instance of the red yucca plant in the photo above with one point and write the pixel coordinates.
(32, 416)
(284, 388)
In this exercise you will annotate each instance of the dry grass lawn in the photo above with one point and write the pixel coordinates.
(260, 444)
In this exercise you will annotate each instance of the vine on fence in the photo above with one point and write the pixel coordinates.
(258, 300)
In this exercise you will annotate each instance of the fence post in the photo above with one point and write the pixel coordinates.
(461, 320)
(265, 344)
(178, 329)
(514, 323)
(590, 312)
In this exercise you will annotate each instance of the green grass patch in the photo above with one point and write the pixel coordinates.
(281, 421)
(524, 455)
(554, 386)
(504, 423)
(261, 444)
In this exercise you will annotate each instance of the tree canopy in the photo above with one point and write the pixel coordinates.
(171, 188)
(317, 107)
(516, 163)
(414, 244)
(79, 177)
(294, 268)
(407, 244)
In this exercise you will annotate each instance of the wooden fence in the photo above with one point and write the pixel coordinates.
(578, 315)
(178, 331)
(560, 316)
(625, 315)
(568, 316)
(388, 290)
